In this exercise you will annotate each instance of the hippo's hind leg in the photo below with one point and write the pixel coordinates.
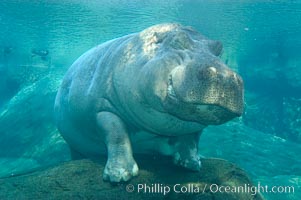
(121, 165)
(186, 152)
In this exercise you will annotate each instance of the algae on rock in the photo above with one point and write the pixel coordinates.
(82, 179)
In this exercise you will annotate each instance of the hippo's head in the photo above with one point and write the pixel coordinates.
(197, 86)
(204, 90)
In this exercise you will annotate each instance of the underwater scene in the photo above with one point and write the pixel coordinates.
(174, 99)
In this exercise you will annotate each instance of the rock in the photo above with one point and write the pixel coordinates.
(82, 179)
(13, 165)
(17, 77)
(26, 124)
(25, 75)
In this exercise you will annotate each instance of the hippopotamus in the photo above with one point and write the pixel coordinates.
(148, 92)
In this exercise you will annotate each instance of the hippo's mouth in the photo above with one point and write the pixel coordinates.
(204, 112)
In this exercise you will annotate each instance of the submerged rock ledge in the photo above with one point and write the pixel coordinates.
(82, 179)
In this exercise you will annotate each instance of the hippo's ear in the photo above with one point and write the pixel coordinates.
(215, 47)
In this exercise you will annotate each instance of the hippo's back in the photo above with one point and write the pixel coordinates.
(87, 82)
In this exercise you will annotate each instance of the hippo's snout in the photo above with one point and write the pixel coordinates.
(209, 94)
(222, 87)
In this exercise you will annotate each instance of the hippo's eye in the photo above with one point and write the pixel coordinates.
(206, 72)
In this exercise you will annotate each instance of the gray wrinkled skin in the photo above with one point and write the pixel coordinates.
(152, 91)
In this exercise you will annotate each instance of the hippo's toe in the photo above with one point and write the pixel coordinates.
(191, 162)
(118, 172)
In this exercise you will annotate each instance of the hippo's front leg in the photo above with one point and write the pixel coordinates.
(121, 165)
(186, 152)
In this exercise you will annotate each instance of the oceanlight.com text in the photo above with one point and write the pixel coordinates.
(159, 188)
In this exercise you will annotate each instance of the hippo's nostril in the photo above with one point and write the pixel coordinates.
(237, 79)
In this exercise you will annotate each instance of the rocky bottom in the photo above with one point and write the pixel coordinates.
(158, 179)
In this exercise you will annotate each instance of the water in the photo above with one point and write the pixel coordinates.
(261, 41)
(80, 25)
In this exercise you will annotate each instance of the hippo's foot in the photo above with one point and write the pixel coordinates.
(186, 152)
(120, 170)
(188, 162)
(121, 165)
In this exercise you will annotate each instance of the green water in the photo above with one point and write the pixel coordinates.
(261, 42)
(68, 28)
